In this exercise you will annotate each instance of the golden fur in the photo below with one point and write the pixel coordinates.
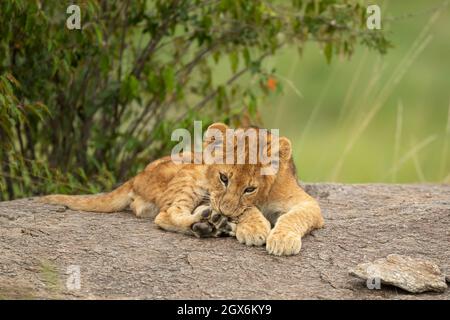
(171, 192)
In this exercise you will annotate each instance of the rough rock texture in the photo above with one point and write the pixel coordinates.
(415, 275)
(120, 256)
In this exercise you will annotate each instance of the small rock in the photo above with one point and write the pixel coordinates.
(61, 209)
(411, 274)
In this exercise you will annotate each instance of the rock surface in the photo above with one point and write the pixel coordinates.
(415, 275)
(120, 256)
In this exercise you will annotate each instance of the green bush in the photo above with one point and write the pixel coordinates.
(81, 110)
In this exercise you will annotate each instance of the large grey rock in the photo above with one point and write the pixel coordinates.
(415, 275)
(120, 256)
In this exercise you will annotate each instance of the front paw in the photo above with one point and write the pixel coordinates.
(253, 234)
(202, 229)
(212, 224)
(282, 243)
(222, 224)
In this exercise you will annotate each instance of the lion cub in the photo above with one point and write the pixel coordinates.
(270, 209)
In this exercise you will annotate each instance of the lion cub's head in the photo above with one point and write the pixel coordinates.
(245, 164)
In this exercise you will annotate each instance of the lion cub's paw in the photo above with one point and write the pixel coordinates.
(223, 225)
(253, 234)
(202, 229)
(212, 223)
(283, 243)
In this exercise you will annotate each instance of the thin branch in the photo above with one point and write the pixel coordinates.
(122, 48)
(211, 96)
(152, 45)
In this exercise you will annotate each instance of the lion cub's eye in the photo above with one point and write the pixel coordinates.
(249, 189)
(224, 179)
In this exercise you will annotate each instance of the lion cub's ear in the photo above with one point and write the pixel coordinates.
(215, 133)
(222, 127)
(285, 148)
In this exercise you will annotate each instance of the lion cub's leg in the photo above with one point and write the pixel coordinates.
(285, 237)
(252, 228)
(177, 219)
(142, 208)
(179, 215)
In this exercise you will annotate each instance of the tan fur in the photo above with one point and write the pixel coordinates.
(178, 189)
(113, 201)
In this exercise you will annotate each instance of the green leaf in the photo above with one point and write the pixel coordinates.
(221, 97)
(234, 61)
(216, 56)
(255, 66)
(133, 86)
(99, 34)
(104, 63)
(152, 82)
(169, 78)
(252, 105)
(130, 88)
(246, 54)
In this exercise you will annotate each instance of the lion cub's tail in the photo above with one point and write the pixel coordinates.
(113, 201)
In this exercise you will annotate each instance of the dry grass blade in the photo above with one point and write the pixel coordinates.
(417, 47)
(444, 160)
(398, 135)
(411, 153)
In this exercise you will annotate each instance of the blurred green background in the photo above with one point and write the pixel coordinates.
(371, 118)
(160, 65)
